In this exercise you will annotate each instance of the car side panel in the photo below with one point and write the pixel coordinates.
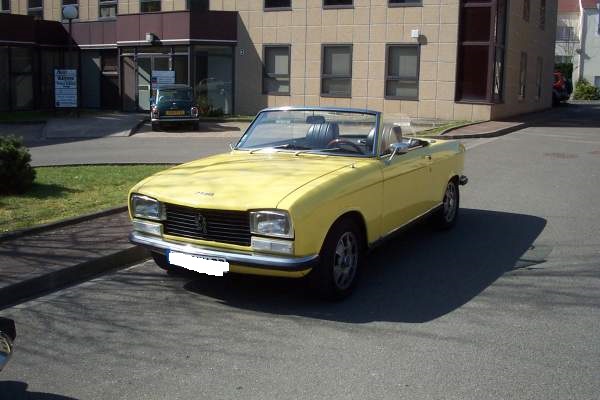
(447, 161)
(405, 182)
(315, 207)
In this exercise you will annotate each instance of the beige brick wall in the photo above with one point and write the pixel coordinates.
(368, 27)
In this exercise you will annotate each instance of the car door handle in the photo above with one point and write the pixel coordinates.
(427, 156)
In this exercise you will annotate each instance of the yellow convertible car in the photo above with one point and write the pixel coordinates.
(304, 193)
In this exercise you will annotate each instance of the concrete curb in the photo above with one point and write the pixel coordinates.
(137, 126)
(59, 224)
(499, 132)
(40, 285)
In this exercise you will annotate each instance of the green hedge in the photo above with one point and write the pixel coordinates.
(16, 174)
(586, 91)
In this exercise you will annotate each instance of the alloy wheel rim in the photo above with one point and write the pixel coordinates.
(450, 202)
(345, 260)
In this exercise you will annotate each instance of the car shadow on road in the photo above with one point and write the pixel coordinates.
(416, 277)
(11, 390)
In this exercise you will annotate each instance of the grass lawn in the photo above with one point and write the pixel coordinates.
(62, 192)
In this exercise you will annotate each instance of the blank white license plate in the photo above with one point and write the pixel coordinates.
(204, 265)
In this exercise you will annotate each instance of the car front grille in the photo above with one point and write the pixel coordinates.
(215, 225)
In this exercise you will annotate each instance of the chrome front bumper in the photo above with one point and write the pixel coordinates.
(255, 260)
(175, 119)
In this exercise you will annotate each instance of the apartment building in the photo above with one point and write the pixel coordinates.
(578, 38)
(444, 59)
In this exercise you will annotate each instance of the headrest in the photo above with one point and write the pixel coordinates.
(315, 119)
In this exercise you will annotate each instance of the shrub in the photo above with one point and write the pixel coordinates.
(585, 91)
(16, 174)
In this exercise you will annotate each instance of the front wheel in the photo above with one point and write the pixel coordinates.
(448, 212)
(336, 275)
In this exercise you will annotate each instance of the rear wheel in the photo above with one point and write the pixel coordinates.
(155, 126)
(196, 126)
(336, 275)
(448, 213)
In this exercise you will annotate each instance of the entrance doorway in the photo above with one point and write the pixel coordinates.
(147, 64)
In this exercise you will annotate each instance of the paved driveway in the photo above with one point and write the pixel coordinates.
(505, 306)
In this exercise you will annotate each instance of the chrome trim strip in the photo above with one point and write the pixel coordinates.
(256, 260)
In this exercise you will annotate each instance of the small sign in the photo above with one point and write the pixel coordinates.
(162, 78)
(65, 88)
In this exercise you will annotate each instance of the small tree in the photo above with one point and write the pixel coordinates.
(16, 174)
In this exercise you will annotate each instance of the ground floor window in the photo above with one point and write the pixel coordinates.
(538, 78)
(336, 75)
(5, 6)
(212, 78)
(402, 72)
(523, 76)
(276, 70)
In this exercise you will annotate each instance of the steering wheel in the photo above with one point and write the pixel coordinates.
(338, 141)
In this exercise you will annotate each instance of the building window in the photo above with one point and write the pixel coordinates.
(149, 6)
(337, 3)
(542, 14)
(336, 75)
(526, 4)
(538, 78)
(563, 59)
(278, 4)
(74, 3)
(523, 76)
(565, 33)
(197, 5)
(404, 3)
(35, 8)
(276, 70)
(107, 8)
(402, 72)
(480, 69)
(5, 6)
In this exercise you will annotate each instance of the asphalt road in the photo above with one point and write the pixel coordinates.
(505, 306)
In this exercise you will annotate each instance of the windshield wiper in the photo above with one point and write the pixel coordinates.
(347, 150)
(292, 146)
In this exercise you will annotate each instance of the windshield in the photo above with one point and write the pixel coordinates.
(313, 131)
(175, 94)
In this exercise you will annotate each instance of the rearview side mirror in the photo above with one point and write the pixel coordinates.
(398, 148)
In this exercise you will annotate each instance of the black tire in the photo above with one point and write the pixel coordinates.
(447, 215)
(196, 126)
(334, 278)
(161, 260)
(155, 126)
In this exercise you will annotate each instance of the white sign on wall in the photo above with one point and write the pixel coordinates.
(162, 78)
(65, 88)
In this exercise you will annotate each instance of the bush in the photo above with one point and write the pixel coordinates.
(16, 174)
(585, 91)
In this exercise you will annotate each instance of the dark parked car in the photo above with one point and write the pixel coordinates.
(173, 104)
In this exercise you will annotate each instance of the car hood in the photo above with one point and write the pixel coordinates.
(239, 180)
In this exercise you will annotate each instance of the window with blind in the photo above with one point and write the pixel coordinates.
(107, 9)
(276, 70)
(336, 72)
(402, 72)
(35, 8)
(149, 6)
